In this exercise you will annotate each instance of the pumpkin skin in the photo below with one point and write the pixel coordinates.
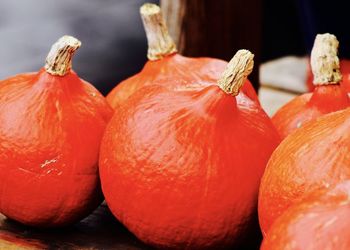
(50, 132)
(313, 157)
(324, 99)
(176, 165)
(320, 221)
(174, 71)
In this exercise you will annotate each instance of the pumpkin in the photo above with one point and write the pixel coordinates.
(320, 221)
(328, 96)
(51, 125)
(180, 168)
(165, 66)
(314, 156)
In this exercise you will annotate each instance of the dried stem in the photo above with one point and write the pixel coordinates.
(160, 44)
(59, 59)
(324, 60)
(236, 72)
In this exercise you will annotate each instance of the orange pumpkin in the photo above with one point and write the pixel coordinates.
(166, 66)
(180, 168)
(51, 125)
(315, 156)
(328, 96)
(320, 221)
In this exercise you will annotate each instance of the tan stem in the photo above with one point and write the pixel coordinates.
(324, 60)
(160, 44)
(59, 59)
(236, 72)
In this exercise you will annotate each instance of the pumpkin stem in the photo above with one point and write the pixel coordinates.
(324, 60)
(160, 44)
(236, 72)
(59, 59)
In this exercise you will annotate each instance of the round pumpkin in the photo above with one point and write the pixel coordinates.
(165, 66)
(320, 221)
(314, 156)
(180, 168)
(328, 96)
(51, 125)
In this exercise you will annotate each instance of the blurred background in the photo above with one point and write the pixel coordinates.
(114, 43)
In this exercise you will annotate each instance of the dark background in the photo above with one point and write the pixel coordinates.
(290, 26)
(114, 43)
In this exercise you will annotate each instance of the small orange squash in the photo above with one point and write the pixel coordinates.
(313, 157)
(166, 66)
(328, 95)
(180, 168)
(320, 221)
(51, 125)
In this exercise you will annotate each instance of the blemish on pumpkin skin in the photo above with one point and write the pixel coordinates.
(47, 162)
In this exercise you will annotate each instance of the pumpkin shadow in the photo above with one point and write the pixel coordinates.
(100, 230)
(252, 236)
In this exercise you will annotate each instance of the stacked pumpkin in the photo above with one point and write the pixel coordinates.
(303, 203)
(181, 141)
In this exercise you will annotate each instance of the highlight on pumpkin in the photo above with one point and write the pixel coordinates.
(59, 59)
(324, 60)
(160, 44)
(236, 72)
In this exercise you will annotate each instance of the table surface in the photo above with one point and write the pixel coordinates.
(101, 230)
